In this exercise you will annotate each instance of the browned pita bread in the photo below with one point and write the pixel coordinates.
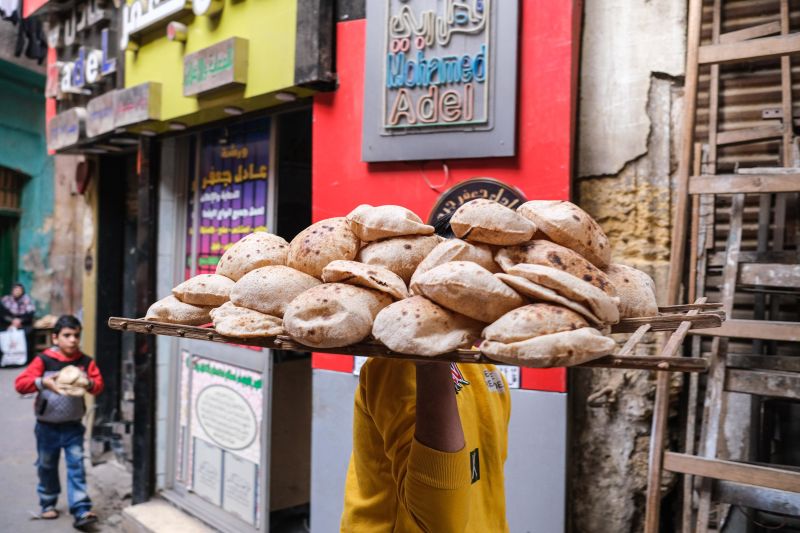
(550, 254)
(605, 307)
(401, 255)
(418, 326)
(541, 293)
(457, 250)
(568, 225)
(233, 321)
(321, 243)
(269, 289)
(333, 315)
(173, 311)
(204, 290)
(531, 321)
(252, 251)
(489, 222)
(469, 289)
(565, 348)
(375, 223)
(368, 276)
(636, 291)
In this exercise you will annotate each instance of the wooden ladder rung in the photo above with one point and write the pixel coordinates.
(785, 363)
(769, 383)
(762, 498)
(762, 48)
(770, 275)
(749, 135)
(743, 183)
(753, 32)
(754, 329)
(762, 476)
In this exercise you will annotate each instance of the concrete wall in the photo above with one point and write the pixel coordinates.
(633, 54)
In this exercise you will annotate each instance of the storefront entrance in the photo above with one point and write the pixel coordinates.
(225, 411)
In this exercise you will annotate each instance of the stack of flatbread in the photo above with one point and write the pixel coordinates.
(533, 287)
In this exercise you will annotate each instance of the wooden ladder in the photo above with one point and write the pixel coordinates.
(759, 486)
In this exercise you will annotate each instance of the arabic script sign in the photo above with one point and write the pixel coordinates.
(216, 67)
(437, 64)
(443, 67)
(137, 104)
(65, 128)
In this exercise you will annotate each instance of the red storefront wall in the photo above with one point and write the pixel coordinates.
(547, 77)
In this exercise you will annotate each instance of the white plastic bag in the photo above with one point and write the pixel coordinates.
(14, 347)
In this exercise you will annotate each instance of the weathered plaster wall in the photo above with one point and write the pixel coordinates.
(630, 108)
(52, 214)
(22, 134)
(623, 42)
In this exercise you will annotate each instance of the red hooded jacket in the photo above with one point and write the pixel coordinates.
(29, 380)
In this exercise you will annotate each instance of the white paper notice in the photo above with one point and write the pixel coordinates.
(207, 474)
(239, 488)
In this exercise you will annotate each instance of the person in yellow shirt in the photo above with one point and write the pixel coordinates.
(430, 440)
(429, 444)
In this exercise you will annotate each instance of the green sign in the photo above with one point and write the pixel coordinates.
(216, 67)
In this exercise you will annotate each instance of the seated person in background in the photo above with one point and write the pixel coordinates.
(16, 311)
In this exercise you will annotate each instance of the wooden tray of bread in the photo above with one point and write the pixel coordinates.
(534, 287)
(669, 320)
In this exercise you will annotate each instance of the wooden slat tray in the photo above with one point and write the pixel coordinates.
(670, 318)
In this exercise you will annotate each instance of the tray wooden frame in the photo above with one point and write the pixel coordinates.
(679, 319)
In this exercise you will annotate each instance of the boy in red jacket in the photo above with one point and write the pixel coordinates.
(58, 419)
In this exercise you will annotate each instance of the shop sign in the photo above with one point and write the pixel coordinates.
(438, 67)
(65, 128)
(472, 189)
(139, 16)
(219, 66)
(100, 114)
(137, 104)
(91, 63)
(82, 16)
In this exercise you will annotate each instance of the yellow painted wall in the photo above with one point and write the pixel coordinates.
(89, 298)
(268, 25)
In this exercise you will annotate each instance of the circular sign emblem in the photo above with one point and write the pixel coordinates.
(472, 189)
(226, 417)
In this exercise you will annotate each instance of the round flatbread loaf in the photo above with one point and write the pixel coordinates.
(173, 311)
(375, 223)
(537, 292)
(489, 222)
(321, 243)
(72, 381)
(269, 289)
(418, 326)
(636, 291)
(565, 348)
(252, 251)
(234, 321)
(333, 315)
(469, 289)
(531, 321)
(550, 254)
(367, 276)
(605, 307)
(401, 255)
(568, 225)
(204, 290)
(457, 250)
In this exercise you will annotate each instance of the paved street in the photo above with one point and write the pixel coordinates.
(18, 499)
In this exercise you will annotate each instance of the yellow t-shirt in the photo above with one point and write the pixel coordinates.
(394, 483)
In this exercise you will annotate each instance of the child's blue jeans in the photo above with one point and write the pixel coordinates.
(50, 439)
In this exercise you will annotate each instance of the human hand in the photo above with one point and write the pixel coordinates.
(50, 384)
